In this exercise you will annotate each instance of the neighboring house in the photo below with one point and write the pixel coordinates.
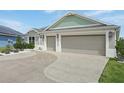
(8, 35)
(76, 34)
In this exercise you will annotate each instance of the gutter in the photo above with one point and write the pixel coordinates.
(83, 29)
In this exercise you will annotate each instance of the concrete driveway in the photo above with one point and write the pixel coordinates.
(25, 67)
(76, 68)
(36, 67)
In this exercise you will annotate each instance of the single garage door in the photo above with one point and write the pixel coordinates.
(51, 43)
(87, 44)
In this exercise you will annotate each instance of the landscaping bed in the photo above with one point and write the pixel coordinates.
(113, 72)
(14, 48)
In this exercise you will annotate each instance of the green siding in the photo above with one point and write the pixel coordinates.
(72, 21)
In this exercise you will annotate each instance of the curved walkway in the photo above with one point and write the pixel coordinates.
(25, 67)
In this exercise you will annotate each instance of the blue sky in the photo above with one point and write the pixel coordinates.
(26, 19)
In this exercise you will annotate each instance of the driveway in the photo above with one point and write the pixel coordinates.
(76, 68)
(25, 67)
(49, 67)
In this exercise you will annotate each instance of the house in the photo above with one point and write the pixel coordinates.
(8, 35)
(75, 33)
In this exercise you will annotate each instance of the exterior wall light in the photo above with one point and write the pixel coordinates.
(110, 34)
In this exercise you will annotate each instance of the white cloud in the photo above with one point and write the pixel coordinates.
(50, 11)
(97, 13)
(114, 19)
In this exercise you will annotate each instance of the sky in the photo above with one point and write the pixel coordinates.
(24, 20)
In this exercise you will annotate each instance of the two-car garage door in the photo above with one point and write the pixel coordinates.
(87, 44)
(84, 44)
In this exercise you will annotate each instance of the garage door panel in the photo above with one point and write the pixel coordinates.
(92, 52)
(51, 43)
(84, 44)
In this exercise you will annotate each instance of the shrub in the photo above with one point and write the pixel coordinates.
(30, 45)
(3, 51)
(25, 45)
(16, 46)
(19, 43)
(120, 47)
(7, 49)
(16, 50)
(7, 52)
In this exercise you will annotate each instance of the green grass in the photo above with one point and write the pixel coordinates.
(2, 48)
(113, 72)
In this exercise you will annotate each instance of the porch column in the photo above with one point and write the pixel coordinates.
(107, 43)
(35, 41)
(27, 39)
(44, 43)
(110, 52)
(39, 42)
(58, 43)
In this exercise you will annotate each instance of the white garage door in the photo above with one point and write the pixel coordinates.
(88, 44)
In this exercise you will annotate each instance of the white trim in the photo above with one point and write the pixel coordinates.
(93, 19)
(107, 43)
(39, 41)
(27, 39)
(84, 33)
(35, 41)
(80, 32)
(33, 30)
(58, 43)
(45, 43)
(55, 22)
(81, 16)
(75, 26)
(115, 37)
(83, 29)
(109, 52)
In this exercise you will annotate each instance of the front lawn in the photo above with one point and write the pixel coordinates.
(113, 72)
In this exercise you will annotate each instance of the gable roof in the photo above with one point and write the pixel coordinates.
(93, 22)
(9, 31)
(36, 30)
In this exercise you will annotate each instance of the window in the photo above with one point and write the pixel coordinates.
(32, 40)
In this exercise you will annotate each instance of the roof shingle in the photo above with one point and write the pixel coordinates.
(9, 31)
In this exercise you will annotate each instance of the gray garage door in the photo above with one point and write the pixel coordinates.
(51, 43)
(84, 44)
